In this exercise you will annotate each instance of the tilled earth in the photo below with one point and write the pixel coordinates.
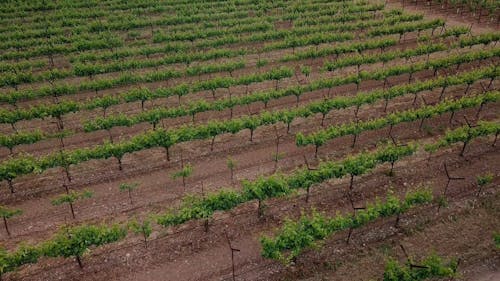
(462, 230)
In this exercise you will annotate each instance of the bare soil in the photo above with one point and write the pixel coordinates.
(461, 230)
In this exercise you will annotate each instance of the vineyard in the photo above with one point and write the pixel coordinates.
(249, 140)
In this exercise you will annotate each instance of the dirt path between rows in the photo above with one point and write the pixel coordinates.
(174, 256)
(186, 252)
(159, 190)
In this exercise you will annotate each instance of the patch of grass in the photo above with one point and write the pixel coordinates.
(386, 249)
(442, 202)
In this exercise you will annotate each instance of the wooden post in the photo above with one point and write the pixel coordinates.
(233, 250)
(310, 169)
(6, 226)
(450, 178)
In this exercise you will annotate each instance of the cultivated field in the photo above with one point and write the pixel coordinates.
(249, 140)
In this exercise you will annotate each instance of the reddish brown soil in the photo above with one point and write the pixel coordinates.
(99, 171)
(453, 13)
(462, 230)
(175, 250)
(75, 121)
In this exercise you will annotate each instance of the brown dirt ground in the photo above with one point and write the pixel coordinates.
(463, 229)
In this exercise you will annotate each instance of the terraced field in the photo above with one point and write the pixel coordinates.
(249, 140)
